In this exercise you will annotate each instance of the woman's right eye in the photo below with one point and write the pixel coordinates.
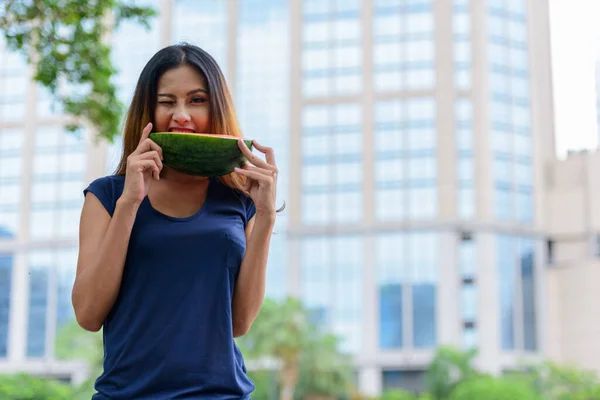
(166, 102)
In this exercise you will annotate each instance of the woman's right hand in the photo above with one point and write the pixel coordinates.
(143, 165)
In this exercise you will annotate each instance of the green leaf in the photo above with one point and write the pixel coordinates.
(64, 37)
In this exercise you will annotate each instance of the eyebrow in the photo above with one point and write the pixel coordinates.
(188, 93)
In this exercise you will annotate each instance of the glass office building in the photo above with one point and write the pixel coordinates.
(410, 135)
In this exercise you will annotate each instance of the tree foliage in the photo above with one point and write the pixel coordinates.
(26, 387)
(65, 41)
(310, 362)
(448, 368)
(489, 388)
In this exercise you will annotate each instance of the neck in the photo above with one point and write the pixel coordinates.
(177, 178)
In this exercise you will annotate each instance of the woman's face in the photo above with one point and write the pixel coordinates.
(182, 103)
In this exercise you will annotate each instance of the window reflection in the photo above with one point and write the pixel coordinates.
(332, 268)
(332, 51)
(6, 262)
(59, 164)
(510, 111)
(516, 269)
(403, 46)
(332, 174)
(405, 159)
(407, 269)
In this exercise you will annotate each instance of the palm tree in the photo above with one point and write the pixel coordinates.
(325, 371)
(448, 368)
(281, 332)
(309, 362)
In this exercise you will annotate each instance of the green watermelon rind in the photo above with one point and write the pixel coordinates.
(200, 154)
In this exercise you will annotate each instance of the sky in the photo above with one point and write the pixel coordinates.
(575, 35)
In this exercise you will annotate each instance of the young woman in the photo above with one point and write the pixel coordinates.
(172, 266)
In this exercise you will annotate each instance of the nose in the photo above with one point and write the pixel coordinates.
(181, 116)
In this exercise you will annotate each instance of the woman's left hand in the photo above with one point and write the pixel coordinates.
(261, 177)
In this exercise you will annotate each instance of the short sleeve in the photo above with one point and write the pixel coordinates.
(250, 209)
(105, 189)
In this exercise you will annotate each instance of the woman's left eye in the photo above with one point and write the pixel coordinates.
(198, 100)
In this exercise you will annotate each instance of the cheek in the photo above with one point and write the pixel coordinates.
(161, 120)
(201, 118)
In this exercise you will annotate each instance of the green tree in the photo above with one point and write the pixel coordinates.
(26, 387)
(75, 343)
(65, 42)
(310, 364)
(489, 388)
(325, 371)
(552, 381)
(280, 332)
(397, 394)
(448, 368)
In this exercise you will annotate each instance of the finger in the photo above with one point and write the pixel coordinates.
(254, 175)
(268, 172)
(152, 155)
(150, 165)
(248, 185)
(146, 132)
(148, 145)
(268, 151)
(251, 156)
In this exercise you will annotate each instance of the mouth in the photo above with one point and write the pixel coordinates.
(182, 130)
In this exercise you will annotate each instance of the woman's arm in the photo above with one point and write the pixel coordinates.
(250, 287)
(103, 240)
(103, 245)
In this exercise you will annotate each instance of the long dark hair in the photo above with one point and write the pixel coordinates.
(223, 119)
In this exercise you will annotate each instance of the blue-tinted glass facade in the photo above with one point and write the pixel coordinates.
(13, 85)
(331, 285)
(262, 101)
(6, 263)
(59, 166)
(510, 110)
(468, 289)
(38, 305)
(203, 23)
(331, 48)
(464, 137)
(403, 45)
(407, 271)
(390, 315)
(332, 164)
(516, 273)
(461, 30)
(405, 143)
(51, 277)
(11, 160)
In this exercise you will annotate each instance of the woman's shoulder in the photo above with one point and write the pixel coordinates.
(107, 189)
(235, 199)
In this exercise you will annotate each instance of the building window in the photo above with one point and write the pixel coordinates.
(6, 263)
(403, 46)
(332, 172)
(461, 26)
(517, 284)
(510, 110)
(405, 159)
(331, 269)
(51, 277)
(468, 270)
(407, 281)
(332, 49)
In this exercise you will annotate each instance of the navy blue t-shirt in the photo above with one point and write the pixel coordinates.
(169, 334)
